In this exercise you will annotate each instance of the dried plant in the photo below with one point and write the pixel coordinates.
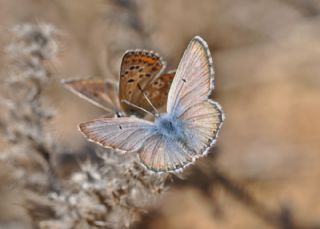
(112, 195)
(111, 192)
(31, 147)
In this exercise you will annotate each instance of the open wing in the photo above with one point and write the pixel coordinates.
(203, 122)
(196, 131)
(161, 154)
(189, 101)
(124, 134)
(194, 77)
(103, 94)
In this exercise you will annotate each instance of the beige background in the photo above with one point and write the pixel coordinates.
(267, 62)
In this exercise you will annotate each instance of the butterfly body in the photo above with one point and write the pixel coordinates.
(169, 126)
(181, 135)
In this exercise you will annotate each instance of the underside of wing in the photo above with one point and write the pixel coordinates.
(138, 69)
(124, 134)
(157, 91)
(103, 94)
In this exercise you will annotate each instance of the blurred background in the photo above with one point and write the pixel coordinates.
(267, 64)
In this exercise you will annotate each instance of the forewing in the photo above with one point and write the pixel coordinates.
(193, 81)
(100, 93)
(124, 134)
(157, 91)
(138, 67)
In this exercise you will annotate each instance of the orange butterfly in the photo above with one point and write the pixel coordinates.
(141, 75)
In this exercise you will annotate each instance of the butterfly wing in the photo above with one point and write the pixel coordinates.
(138, 67)
(188, 98)
(124, 134)
(203, 122)
(193, 138)
(157, 91)
(160, 154)
(196, 118)
(194, 79)
(100, 93)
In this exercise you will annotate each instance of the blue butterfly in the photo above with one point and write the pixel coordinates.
(184, 133)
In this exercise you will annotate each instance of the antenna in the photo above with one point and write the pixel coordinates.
(146, 97)
(135, 106)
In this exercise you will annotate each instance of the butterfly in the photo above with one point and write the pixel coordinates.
(176, 138)
(142, 72)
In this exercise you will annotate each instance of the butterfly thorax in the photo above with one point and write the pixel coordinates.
(169, 126)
